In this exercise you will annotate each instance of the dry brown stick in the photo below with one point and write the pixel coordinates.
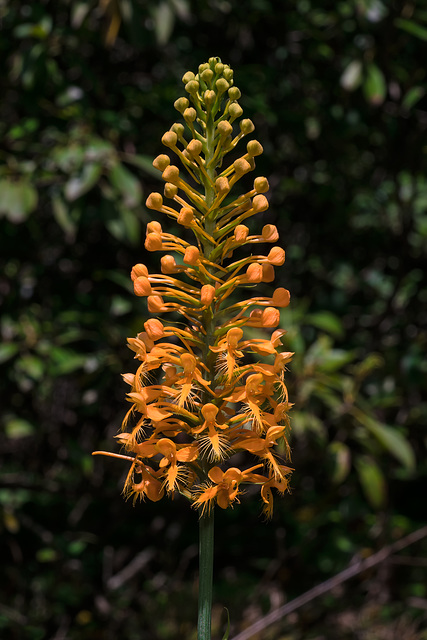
(329, 584)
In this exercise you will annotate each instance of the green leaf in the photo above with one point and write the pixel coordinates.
(372, 480)
(7, 351)
(327, 322)
(65, 361)
(351, 77)
(17, 199)
(342, 461)
(227, 631)
(164, 20)
(62, 215)
(412, 97)
(17, 428)
(412, 27)
(142, 162)
(79, 185)
(374, 86)
(126, 183)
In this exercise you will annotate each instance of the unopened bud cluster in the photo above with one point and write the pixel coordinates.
(205, 391)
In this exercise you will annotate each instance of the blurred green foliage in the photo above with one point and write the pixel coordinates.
(337, 91)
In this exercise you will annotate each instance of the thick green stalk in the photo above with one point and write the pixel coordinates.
(206, 552)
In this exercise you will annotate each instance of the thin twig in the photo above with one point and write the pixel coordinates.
(329, 584)
(130, 570)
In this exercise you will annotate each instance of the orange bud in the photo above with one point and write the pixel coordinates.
(154, 329)
(233, 336)
(161, 162)
(153, 242)
(171, 174)
(254, 148)
(222, 185)
(267, 272)
(138, 270)
(168, 264)
(191, 255)
(241, 233)
(170, 190)
(281, 297)
(254, 272)
(235, 110)
(224, 128)
(154, 227)
(181, 104)
(190, 114)
(194, 147)
(207, 294)
(209, 97)
(261, 185)
(259, 203)
(247, 126)
(276, 256)
(169, 139)
(241, 166)
(185, 216)
(155, 304)
(142, 287)
(209, 412)
(270, 233)
(154, 201)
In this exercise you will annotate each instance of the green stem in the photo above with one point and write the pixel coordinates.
(206, 554)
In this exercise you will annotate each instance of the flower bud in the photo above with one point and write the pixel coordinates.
(247, 126)
(276, 256)
(154, 329)
(270, 233)
(207, 75)
(191, 255)
(171, 174)
(178, 128)
(161, 162)
(234, 93)
(138, 270)
(222, 85)
(185, 216)
(207, 294)
(261, 185)
(224, 128)
(227, 73)
(222, 185)
(235, 110)
(241, 166)
(170, 190)
(254, 148)
(192, 87)
(203, 67)
(142, 287)
(154, 227)
(209, 412)
(234, 335)
(194, 147)
(169, 139)
(268, 274)
(181, 104)
(168, 265)
(281, 297)
(254, 272)
(209, 97)
(154, 201)
(155, 304)
(241, 233)
(187, 77)
(190, 114)
(219, 68)
(259, 203)
(153, 242)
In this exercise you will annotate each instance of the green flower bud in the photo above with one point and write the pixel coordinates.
(203, 66)
(181, 104)
(228, 74)
(234, 93)
(207, 76)
(222, 85)
(192, 87)
(187, 77)
(209, 97)
(246, 126)
(170, 139)
(235, 110)
(254, 148)
(219, 68)
(161, 162)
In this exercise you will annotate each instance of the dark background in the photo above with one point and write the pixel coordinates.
(337, 91)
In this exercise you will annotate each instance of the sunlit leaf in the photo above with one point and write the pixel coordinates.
(127, 184)
(352, 76)
(374, 85)
(327, 322)
(7, 351)
(412, 27)
(17, 428)
(342, 461)
(62, 215)
(164, 20)
(79, 185)
(412, 97)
